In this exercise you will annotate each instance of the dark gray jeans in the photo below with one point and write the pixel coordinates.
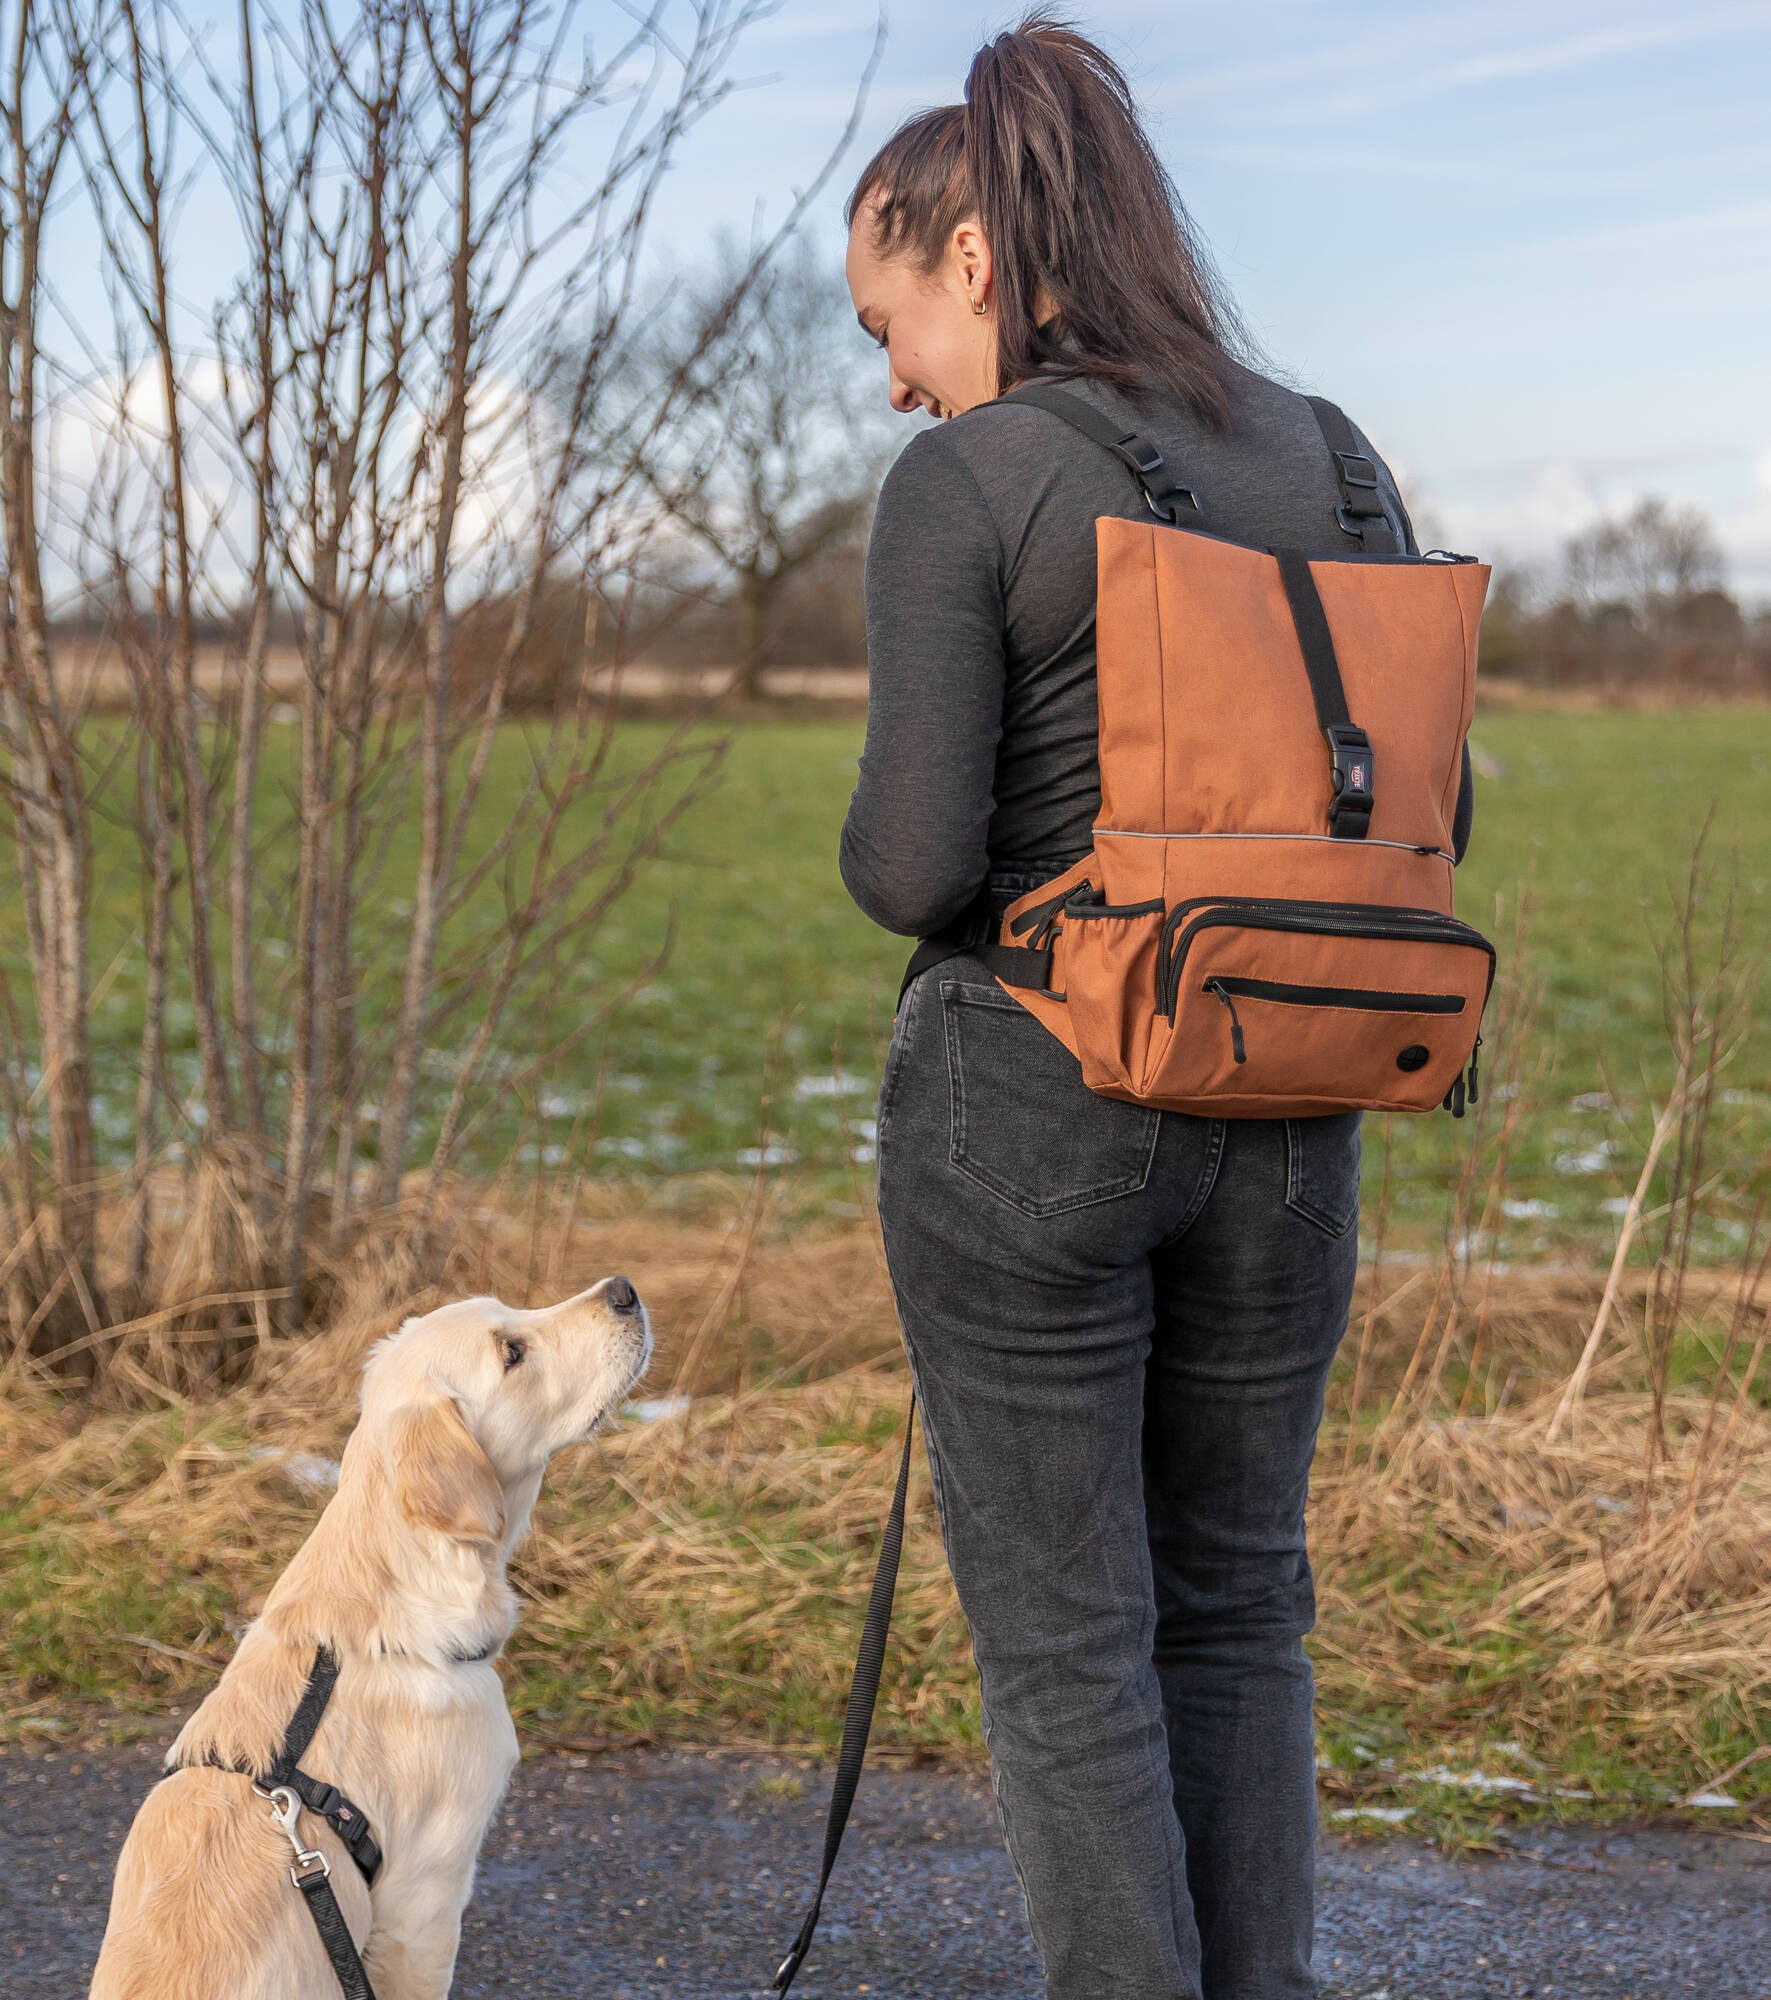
(1120, 1323)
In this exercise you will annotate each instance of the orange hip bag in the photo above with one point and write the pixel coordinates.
(1264, 925)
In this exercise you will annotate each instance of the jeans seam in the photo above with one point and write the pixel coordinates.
(1299, 1202)
(894, 1070)
(1208, 1178)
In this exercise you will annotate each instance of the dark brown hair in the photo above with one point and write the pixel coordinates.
(1048, 156)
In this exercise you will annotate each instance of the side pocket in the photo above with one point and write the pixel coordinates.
(1110, 957)
(1322, 1175)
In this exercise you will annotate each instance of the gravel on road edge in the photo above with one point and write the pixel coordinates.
(682, 1875)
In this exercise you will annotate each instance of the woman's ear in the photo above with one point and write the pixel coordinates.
(971, 255)
(442, 1479)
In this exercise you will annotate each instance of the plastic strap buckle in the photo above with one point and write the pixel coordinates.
(1356, 469)
(1161, 494)
(1353, 767)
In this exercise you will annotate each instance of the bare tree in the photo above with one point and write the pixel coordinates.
(52, 1275)
(782, 465)
(1652, 561)
(398, 412)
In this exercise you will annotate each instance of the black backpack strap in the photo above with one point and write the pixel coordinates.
(1166, 497)
(1361, 513)
(1351, 764)
(858, 1718)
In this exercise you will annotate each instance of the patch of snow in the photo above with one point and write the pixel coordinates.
(767, 1156)
(306, 1470)
(1470, 1781)
(654, 1409)
(1591, 1100)
(1528, 1211)
(840, 1083)
(1390, 1815)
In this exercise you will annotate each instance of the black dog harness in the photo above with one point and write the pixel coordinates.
(289, 1789)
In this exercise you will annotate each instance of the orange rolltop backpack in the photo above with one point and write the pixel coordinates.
(1264, 926)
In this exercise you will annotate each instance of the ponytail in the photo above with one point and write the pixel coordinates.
(1048, 156)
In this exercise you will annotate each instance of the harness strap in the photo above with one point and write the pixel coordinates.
(858, 1717)
(348, 1821)
(322, 1679)
(1362, 513)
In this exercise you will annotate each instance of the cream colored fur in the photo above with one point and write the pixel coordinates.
(403, 1576)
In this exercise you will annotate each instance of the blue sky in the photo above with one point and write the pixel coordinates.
(1528, 247)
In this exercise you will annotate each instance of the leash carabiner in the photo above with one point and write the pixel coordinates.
(286, 1811)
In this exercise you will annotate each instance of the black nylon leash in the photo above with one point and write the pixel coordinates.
(858, 1717)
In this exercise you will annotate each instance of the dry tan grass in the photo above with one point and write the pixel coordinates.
(1604, 1598)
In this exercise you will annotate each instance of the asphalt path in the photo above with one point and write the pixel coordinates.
(682, 1876)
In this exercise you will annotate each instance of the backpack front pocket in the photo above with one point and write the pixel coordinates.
(1269, 1006)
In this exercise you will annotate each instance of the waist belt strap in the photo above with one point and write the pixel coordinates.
(974, 936)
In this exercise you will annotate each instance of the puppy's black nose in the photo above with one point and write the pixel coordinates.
(620, 1294)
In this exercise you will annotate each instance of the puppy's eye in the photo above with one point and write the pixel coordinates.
(510, 1351)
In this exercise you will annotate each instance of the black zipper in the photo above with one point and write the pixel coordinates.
(1080, 909)
(1364, 999)
(1354, 920)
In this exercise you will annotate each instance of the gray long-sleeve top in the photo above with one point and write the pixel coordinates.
(982, 753)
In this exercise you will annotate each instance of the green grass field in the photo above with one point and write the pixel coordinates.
(767, 1025)
(1589, 825)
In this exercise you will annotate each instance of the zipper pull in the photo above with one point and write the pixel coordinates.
(1475, 1059)
(1454, 1097)
(1238, 1048)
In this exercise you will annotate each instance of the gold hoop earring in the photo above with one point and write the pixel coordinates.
(980, 307)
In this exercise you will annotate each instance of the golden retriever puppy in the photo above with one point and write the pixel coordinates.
(403, 1582)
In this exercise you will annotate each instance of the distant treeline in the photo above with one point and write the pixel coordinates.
(1638, 601)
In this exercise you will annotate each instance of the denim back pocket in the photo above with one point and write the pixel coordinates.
(1025, 1125)
(1322, 1171)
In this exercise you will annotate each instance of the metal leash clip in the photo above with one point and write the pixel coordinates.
(286, 1811)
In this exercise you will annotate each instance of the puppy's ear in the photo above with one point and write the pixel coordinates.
(442, 1479)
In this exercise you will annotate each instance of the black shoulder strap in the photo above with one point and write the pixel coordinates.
(1167, 498)
(1361, 513)
(858, 1718)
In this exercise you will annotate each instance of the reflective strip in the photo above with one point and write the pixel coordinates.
(1407, 846)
